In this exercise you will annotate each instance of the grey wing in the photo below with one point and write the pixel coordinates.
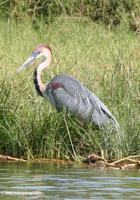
(78, 99)
(100, 114)
(68, 92)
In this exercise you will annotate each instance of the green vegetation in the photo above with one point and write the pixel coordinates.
(106, 61)
(111, 12)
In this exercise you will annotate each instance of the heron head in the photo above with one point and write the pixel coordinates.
(41, 50)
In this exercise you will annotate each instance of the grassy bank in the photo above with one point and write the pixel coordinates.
(107, 62)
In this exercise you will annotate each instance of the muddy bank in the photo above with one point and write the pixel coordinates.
(123, 163)
(92, 160)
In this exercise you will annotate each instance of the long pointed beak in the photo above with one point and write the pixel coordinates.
(29, 61)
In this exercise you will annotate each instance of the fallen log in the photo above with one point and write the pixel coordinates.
(10, 158)
(123, 163)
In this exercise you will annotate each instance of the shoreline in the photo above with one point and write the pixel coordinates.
(92, 160)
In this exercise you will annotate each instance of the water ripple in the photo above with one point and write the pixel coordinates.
(67, 182)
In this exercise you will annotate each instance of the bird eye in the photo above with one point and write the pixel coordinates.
(38, 52)
(35, 53)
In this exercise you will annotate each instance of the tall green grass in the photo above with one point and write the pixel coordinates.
(105, 11)
(105, 61)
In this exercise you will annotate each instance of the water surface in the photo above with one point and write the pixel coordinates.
(69, 182)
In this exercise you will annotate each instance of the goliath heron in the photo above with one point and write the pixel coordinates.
(65, 91)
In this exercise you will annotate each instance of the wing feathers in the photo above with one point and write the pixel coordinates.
(67, 91)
